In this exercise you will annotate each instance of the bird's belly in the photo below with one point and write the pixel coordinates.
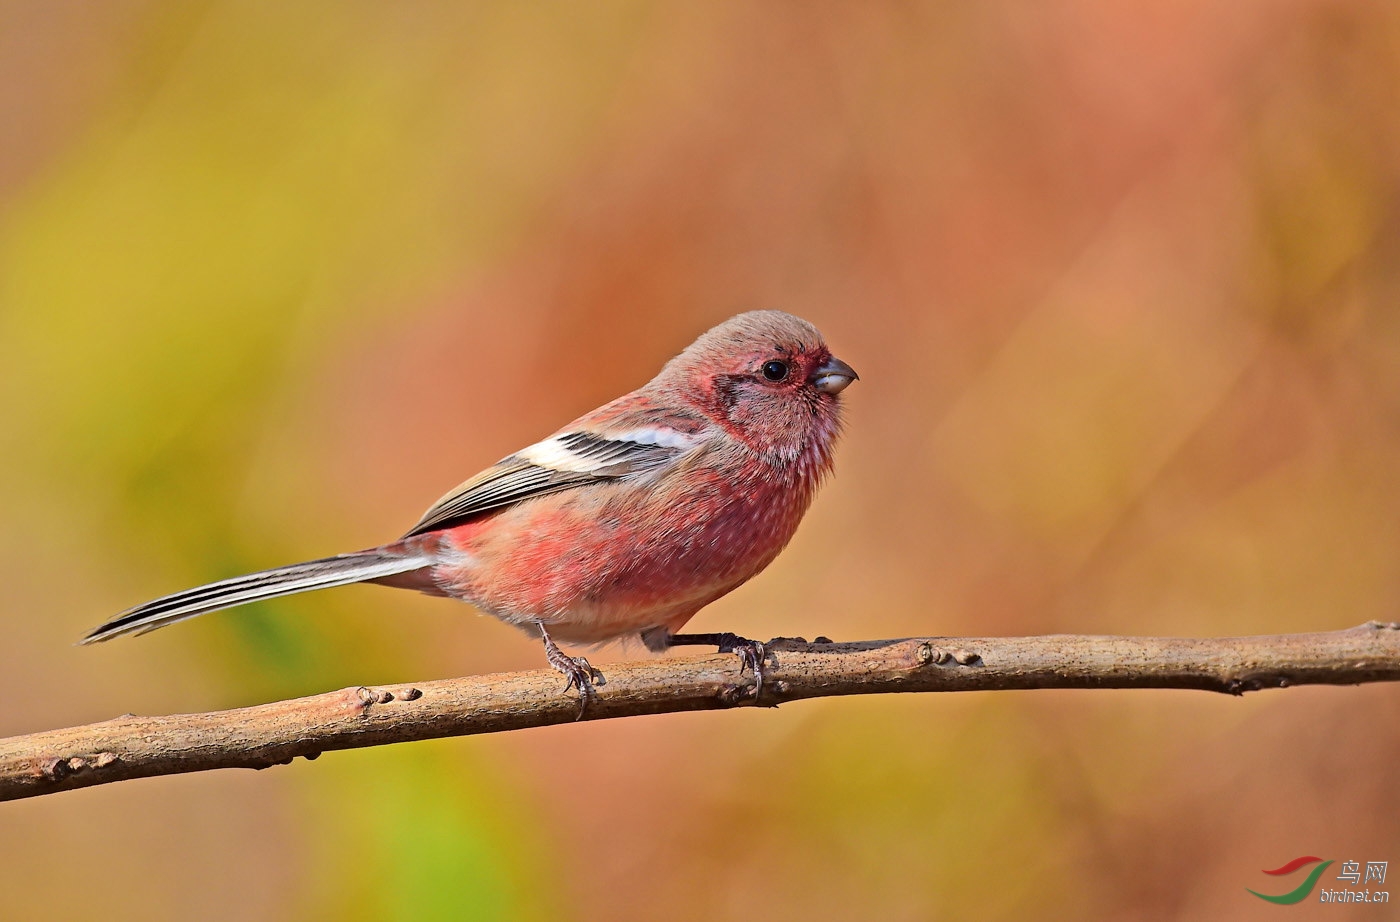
(594, 567)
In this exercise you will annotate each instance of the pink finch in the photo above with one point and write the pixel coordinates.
(626, 522)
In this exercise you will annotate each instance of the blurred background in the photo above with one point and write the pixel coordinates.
(1121, 281)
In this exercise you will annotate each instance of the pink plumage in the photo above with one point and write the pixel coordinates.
(625, 522)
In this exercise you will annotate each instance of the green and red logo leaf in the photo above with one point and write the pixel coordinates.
(1306, 887)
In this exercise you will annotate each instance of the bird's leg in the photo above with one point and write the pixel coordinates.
(579, 672)
(751, 652)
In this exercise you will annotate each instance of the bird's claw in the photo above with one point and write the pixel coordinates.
(578, 672)
(752, 654)
(581, 674)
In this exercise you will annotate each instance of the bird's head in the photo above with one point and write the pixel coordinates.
(767, 377)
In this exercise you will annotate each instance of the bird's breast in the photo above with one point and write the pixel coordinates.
(617, 558)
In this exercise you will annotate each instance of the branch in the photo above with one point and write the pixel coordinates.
(274, 734)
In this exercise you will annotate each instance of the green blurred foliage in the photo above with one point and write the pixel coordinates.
(414, 838)
(1120, 281)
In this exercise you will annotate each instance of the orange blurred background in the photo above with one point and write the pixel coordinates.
(1121, 281)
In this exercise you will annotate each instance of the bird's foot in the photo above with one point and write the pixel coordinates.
(752, 653)
(578, 672)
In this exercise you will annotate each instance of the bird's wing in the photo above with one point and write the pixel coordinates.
(561, 462)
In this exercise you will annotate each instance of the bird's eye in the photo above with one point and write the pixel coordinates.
(775, 371)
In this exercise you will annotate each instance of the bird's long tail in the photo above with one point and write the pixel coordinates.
(359, 567)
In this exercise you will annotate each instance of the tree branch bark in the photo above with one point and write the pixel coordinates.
(274, 734)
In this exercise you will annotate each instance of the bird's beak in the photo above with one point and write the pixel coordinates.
(833, 375)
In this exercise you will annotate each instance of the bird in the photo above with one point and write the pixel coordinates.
(623, 523)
